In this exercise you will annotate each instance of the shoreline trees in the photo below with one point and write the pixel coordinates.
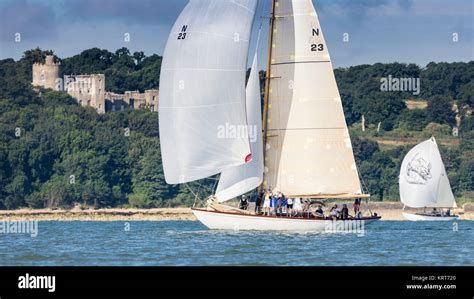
(55, 153)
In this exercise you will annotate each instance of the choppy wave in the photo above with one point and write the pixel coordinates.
(184, 243)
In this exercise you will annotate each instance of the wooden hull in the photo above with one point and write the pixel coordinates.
(235, 221)
(420, 217)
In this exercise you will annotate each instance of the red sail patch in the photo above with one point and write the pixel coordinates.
(248, 158)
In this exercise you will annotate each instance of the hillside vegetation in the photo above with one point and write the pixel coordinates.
(55, 153)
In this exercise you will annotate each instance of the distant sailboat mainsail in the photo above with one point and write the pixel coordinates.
(423, 179)
(244, 178)
(308, 148)
(202, 90)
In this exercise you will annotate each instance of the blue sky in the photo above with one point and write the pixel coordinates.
(411, 31)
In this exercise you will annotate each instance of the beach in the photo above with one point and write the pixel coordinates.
(118, 214)
(388, 211)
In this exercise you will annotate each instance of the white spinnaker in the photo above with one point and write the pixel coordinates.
(244, 178)
(308, 150)
(423, 180)
(202, 90)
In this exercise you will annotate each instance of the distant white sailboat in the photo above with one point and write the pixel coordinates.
(424, 183)
(302, 147)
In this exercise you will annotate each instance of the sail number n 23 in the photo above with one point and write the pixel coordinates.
(316, 47)
(182, 34)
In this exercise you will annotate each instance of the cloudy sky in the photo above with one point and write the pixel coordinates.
(417, 31)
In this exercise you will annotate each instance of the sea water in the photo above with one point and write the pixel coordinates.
(189, 243)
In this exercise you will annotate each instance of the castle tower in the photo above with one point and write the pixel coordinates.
(47, 74)
(151, 99)
(98, 92)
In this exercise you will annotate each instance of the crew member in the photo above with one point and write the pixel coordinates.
(267, 202)
(344, 212)
(258, 201)
(290, 206)
(244, 203)
(319, 211)
(356, 205)
(334, 213)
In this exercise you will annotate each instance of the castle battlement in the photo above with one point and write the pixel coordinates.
(49, 60)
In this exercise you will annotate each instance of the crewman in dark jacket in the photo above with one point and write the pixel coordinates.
(258, 201)
(344, 212)
(244, 203)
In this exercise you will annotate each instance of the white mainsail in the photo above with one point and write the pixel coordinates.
(308, 148)
(202, 90)
(244, 178)
(423, 180)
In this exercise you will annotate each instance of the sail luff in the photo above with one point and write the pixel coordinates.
(444, 193)
(244, 178)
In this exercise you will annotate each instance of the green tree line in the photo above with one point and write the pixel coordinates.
(441, 84)
(55, 153)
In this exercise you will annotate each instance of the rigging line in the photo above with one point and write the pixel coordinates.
(200, 185)
(364, 186)
(257, 43)
(199, 189)
(191, 190)
(243, 7)
(215, 185)
(212, 178)
(195, 197)
(261, 25)
(205, 187)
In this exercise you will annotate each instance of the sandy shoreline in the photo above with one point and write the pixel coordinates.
(388, 211)
(99, 214)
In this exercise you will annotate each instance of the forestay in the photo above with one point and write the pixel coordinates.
(308, 150)
(202, 90)
(423, 179)
(244, 178)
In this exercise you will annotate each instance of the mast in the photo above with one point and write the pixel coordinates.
(267, 83)
(267, 77)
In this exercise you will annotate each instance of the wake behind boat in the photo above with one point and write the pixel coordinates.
(301, 148)
(424, 184)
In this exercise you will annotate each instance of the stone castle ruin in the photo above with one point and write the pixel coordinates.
(46, 74)
(89, 90)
